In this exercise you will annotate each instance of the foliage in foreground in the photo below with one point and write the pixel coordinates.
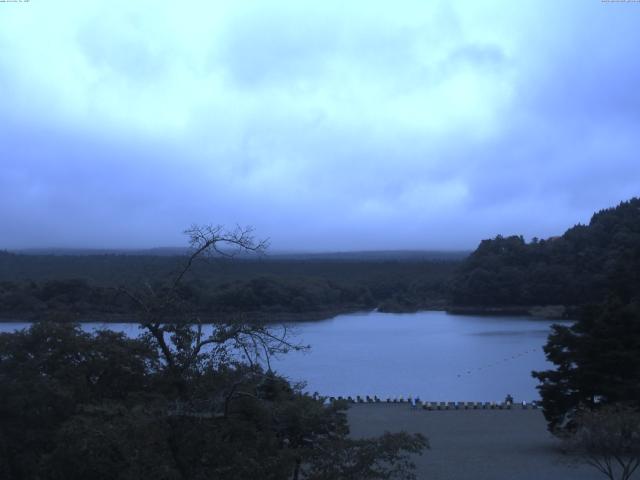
(75, 405)
(592, 398)
(608, 439)
(597, 363)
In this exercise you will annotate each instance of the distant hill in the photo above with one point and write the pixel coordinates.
(364, 255)
(83, 252)
(375, 255)
(584, 265)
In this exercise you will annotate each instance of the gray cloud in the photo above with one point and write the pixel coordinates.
(337, 128)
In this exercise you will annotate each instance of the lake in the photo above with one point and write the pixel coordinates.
(432, 355)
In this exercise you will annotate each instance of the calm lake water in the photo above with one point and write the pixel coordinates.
(432, 355)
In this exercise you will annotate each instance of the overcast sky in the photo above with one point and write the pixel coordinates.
(325, 125)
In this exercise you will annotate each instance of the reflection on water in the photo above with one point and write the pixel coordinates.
(432, 355)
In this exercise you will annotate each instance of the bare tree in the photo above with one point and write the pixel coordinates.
(608, 439)
(175, 325)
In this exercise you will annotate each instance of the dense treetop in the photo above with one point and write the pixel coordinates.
(597, 362)
(579, 267)
(595, 266)
(75, 405)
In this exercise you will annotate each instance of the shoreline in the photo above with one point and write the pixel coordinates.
(548, 312)
(258, 317)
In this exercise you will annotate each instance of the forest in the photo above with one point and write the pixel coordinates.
(87, 286)
(581, 266)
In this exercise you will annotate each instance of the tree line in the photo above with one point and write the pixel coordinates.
(38, 287)
(581, 266)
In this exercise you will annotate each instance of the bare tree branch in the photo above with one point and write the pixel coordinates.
(608, 438)
(170, 321)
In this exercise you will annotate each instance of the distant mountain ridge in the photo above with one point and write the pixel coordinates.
(66, 251)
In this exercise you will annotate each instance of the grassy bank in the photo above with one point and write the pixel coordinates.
(475, 444)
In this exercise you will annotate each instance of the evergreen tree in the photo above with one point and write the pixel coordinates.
(597, 362)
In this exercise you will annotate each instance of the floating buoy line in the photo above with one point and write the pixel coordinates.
(507, 359)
